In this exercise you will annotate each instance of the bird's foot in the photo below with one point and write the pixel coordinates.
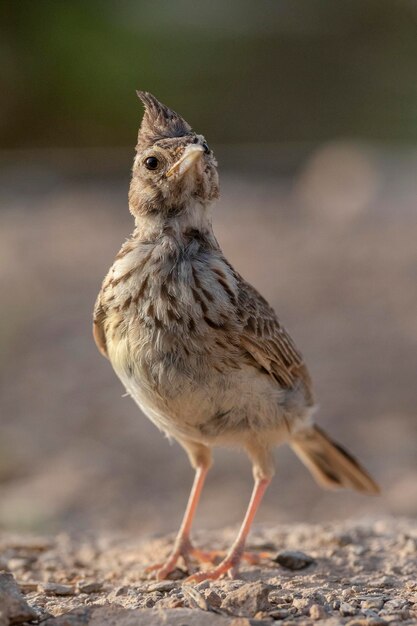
(214, 556)
(228, 566)
(189, 553)
(161, 571)
(183, 549)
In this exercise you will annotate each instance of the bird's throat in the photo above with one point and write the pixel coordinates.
(195, 218)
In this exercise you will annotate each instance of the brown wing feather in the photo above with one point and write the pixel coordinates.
(98, 327)
(268, 342)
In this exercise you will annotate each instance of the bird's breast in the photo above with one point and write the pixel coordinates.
(171, 330)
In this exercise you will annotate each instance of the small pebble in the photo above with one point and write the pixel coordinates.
(394, 618)
(347, 609)
(302, 604)
(169, 602)
(363, 621)
(213, 599)
(317, 611)
(150, 602)
(194, 597)
(26, 586)
(55, 589)
(92, 587)
(279, 614)
(163, 586)
(395, 604)
(293, 559)
(373, 603)
(121, 591)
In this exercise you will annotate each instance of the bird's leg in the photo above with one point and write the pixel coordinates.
(263, 469)
(200, 458)
(231, 561)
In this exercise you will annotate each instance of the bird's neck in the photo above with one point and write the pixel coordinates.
(195, 218)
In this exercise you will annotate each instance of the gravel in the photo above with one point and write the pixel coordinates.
(360, 573)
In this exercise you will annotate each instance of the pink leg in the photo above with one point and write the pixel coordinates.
(231, 562)
(183, 546)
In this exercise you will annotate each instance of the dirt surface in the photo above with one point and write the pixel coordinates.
(355, 573)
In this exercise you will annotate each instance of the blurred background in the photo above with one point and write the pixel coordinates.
(311, 109)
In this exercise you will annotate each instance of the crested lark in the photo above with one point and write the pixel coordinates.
(199, 349)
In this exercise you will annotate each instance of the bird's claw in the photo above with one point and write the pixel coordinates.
(185, 550)
(160, 571)
(188, 552)
(227, 566)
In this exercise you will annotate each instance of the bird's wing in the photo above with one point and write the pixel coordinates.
(267, 342)
(99, 335)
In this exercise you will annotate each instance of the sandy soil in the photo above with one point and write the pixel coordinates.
(357, 574)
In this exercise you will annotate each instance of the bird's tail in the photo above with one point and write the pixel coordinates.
(331, 465)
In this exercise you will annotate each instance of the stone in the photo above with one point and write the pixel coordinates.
(302, 605)
(347, 609)
(293, 559)
(171, 602)
(363, 621)
(56, 589)
(213, 599)
(111, 615)
(317, 611)
(279, 614)
(164, 586)
(247, 600)
(27, 586)
(373, 603)
(13, 607)
(194, 597)
(120, 591)
(89, 587)
(393, 618)
(395, 604)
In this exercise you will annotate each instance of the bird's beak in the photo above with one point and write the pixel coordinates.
(190, 156)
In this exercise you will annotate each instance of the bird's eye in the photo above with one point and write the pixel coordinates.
(206, 148)
(151, 163)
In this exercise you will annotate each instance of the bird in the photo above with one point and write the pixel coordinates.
(199, 350)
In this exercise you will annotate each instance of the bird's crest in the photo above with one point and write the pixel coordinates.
(159, 122)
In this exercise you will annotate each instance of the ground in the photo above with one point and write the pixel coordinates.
(354, 573)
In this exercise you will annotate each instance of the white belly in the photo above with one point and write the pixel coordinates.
(213, 408)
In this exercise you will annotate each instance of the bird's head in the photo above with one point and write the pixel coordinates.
(174, 168)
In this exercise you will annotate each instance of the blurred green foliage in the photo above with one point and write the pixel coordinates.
(238, 70)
